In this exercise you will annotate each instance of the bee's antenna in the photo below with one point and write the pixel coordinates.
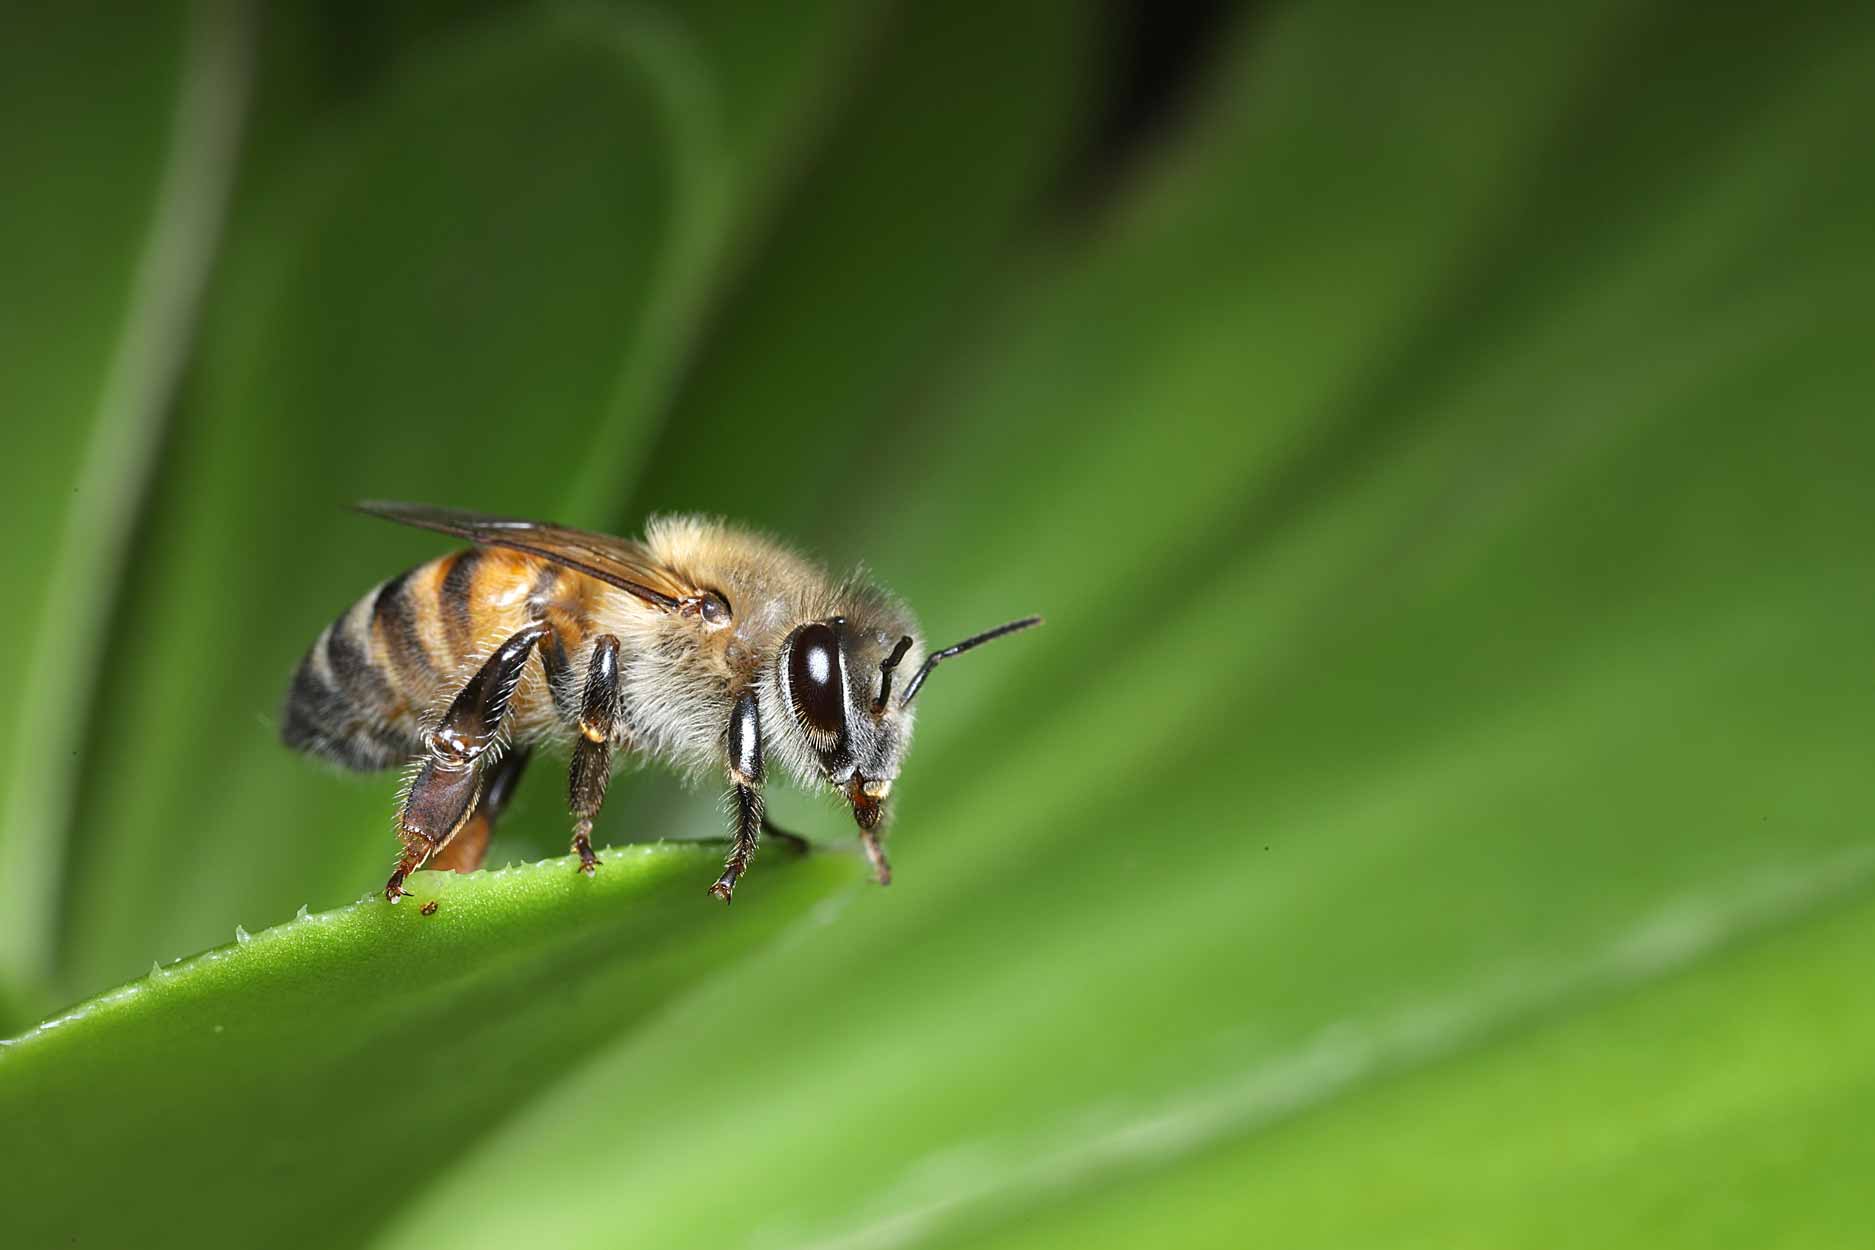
(885, 673)
(931, 661)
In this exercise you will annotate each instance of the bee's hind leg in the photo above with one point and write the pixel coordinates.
(469, 847)
(592, 754)
(448, 783)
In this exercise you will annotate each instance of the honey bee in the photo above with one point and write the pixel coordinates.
(707, 647)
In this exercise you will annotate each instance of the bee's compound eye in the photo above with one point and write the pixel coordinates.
(814, 678)
(715, 608)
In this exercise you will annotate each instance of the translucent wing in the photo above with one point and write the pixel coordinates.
(615, 561)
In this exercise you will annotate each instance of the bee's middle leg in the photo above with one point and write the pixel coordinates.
(793, 841)
(745, 775)
(449, 780)
(592, 754)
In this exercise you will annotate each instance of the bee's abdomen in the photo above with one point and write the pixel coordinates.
(361, 692)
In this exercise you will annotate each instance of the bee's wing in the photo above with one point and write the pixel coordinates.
(615, 561)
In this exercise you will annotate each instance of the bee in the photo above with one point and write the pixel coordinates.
(706, 647)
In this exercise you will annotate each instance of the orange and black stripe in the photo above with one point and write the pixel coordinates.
(359, 691)
(395, 630)
(455, 598)
(362, 691)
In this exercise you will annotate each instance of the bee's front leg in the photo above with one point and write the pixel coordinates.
(449, 780)
(745, 774)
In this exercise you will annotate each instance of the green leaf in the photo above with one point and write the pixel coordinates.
(433, 1025)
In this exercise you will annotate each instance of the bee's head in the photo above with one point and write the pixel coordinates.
(849, 705)
(835, 684)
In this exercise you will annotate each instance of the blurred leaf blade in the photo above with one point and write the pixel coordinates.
(901, 224)
(1552, 1127)
(747, 99)
(105, 444)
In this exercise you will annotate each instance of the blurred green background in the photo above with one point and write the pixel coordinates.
(1436, 813)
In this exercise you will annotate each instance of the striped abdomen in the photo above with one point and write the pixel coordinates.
(364, 692)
